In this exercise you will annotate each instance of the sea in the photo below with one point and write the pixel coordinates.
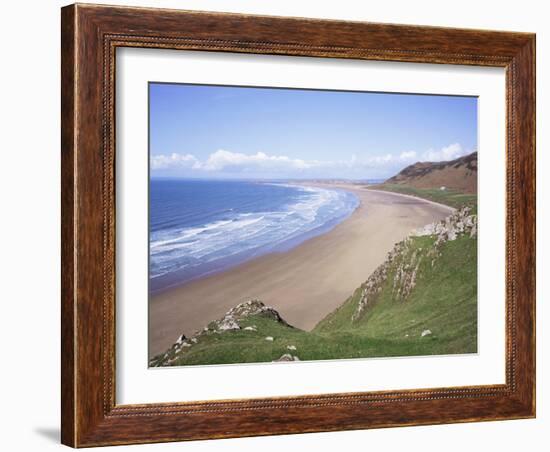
(198, 227)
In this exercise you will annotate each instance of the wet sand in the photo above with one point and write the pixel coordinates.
(305, 283)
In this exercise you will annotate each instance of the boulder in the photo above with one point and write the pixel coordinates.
(228, 323)
(287, 357)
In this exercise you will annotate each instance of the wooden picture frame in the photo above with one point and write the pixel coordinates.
(90, 36)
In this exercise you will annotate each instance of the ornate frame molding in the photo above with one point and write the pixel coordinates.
(90, 37)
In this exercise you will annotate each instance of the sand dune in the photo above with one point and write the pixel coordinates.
(303, 284)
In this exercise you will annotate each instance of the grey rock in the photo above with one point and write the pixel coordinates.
(287, 357)
(228, 323)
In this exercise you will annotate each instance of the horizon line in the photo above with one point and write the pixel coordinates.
(235, 179)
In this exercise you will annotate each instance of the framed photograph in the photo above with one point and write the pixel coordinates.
(281, 225)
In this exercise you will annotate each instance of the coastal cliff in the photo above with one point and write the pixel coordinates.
(420, 301)
(405, 258)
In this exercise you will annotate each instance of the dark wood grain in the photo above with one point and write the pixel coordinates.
(68, 311)
(90, 36)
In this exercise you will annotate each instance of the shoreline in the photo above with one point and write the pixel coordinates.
(282, 246)
(435, 203)
(304, 283)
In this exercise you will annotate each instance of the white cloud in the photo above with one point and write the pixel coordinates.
(408, 155)
(173, 160)
(451, 152)
(223, 161)
(385, 160)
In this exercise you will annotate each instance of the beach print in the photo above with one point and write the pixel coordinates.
(290, 225)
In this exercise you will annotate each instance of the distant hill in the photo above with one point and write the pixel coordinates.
(459, 174)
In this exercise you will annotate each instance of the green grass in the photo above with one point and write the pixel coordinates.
(248, 347)
(448, 197)
(444, 301)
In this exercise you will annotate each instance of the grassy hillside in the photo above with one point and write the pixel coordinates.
(459, 174)
(244, 346)
(421, 301)
(443, 301)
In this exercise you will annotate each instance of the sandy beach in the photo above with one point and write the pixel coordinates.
(303, 284)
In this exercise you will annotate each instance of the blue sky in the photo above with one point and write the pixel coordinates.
(203, 131)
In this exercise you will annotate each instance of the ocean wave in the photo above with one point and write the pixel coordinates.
(194, 251)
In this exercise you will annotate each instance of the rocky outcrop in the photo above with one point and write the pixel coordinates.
(231, 321)
(459, 223)
(232, 318)
(406, 272)
(287, 357)
(403, 261)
